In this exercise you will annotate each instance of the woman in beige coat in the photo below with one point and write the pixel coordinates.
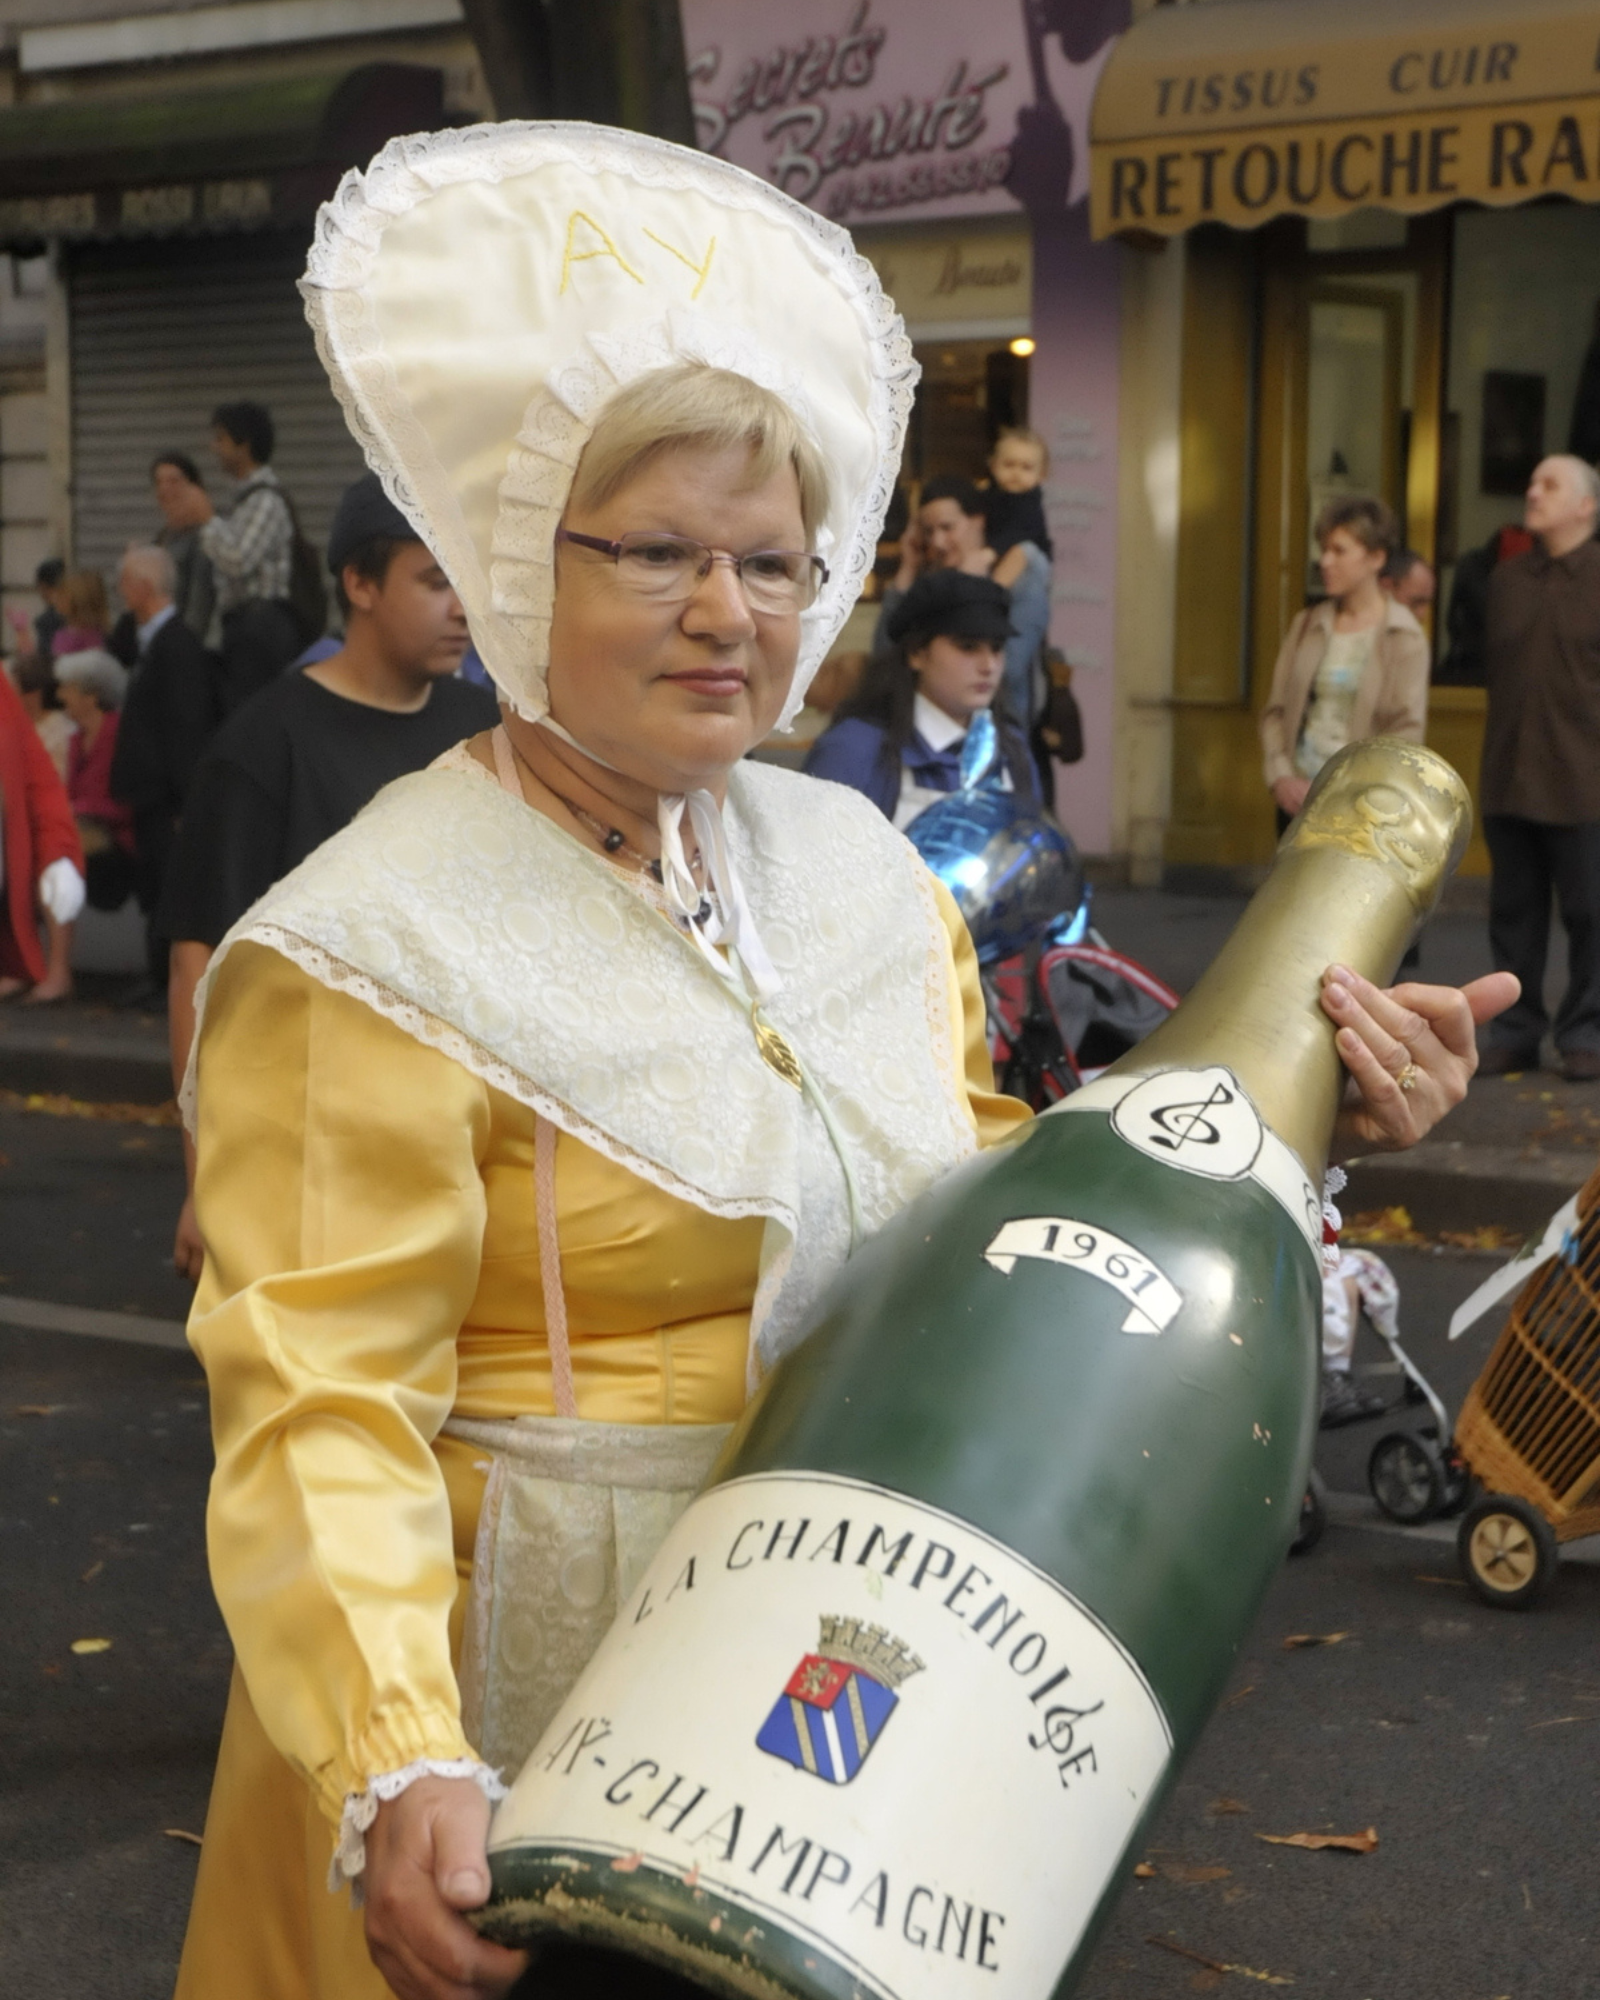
(1354, 665)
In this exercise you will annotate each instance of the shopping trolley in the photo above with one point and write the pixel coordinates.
(1529, 1431)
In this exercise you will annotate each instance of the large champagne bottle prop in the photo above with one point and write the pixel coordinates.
(892, 1703)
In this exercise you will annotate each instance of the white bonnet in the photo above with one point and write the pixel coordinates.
(479, 295)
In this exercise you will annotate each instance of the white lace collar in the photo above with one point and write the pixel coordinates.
(481, 929)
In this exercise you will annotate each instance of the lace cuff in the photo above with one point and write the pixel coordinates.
(1332, 1220)
(361, 1809)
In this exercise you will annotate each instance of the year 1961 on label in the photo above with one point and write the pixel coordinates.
(1153, 1299)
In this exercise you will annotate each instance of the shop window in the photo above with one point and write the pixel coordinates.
(1359, 364)
(970, 390)
(1524, 316)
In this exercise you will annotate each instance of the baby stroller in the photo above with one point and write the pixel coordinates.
(1062, 1002)
(1412, 1474)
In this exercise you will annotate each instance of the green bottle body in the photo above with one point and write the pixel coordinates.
(888, 1711)
(1047, 1439)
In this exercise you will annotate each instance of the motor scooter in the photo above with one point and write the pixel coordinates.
(1063, 1003)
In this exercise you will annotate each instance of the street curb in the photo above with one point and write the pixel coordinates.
(101, 1068)
(1456, 1184)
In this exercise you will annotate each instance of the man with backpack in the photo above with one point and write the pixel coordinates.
(269, 584)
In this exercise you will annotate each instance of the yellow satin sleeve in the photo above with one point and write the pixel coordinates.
(372, 1264)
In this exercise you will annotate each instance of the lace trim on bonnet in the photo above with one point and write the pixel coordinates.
(508, 587)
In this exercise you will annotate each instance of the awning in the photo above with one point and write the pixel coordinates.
(1241, 110)
(193, 161)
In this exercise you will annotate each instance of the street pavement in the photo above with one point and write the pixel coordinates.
(1467, 1738)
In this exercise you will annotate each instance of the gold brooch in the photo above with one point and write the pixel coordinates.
(776, 1052)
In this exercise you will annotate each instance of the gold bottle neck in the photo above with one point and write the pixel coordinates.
(1355, 876)
(1258, 1007)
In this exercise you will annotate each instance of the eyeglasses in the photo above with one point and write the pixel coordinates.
(670, 568)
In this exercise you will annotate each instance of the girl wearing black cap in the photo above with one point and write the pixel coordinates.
(899, 738)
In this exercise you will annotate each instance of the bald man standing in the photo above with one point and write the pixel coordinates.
(1541, 770)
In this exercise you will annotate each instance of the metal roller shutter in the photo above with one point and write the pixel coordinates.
(161, 333)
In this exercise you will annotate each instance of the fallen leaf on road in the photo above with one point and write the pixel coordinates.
(1220, 1965)
(1382, 1225)
(92, 1571)
(1144, 1872)
(626, 1864)
(91, 1645)
(1189, 1871)
(51, 1104)
(179, 1833)
(1220, 1806)
(1313, 1639)
(37, 1409)
(1349, 1843)
(1556, 1721)
(1487, 1236)
(1229, 1703)
(1456, 1582)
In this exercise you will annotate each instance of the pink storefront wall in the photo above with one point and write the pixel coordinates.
(884, 111)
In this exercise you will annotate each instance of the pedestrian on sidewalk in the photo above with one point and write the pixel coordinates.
(1355, 665)
(1540, 791)
(35, 678)
(1409, 579)
(250, 549)
(176, 480)
(300, 761)
(43, 862)
(92, 685)
(49, 580)
(950, 532)
(86, 614)
(168, 716)
(898, 739)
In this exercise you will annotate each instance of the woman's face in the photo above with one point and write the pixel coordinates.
(958, 675)
(81, 707)
(1347, 563)
(675, 694)
(950, 534)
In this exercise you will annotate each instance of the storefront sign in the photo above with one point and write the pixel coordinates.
(862, 110)
(174, 208)
(1235, 114)
(947, 282)
(1409, 164)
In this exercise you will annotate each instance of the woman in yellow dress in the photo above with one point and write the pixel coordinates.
(535, 1107)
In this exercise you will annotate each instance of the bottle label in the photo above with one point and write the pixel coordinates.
(1154, 1301)
(1201, 1121)
(865, 1722)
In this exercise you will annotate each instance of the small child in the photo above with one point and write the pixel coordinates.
(1014, 524)
(1013, 504)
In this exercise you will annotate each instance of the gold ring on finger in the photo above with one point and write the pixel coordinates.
(1407, 1079)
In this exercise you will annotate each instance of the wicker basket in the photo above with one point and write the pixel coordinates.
(1531, 1423)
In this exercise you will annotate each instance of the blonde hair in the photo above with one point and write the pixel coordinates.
(696, 406)
(1023, 435)
(84, 600)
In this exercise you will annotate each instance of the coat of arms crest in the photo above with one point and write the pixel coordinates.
(838, 1700)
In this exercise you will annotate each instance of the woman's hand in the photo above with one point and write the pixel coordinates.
(188, 1251)
(426, 1863)
(913, 556)
(1290, 794)
(1426, 1034)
